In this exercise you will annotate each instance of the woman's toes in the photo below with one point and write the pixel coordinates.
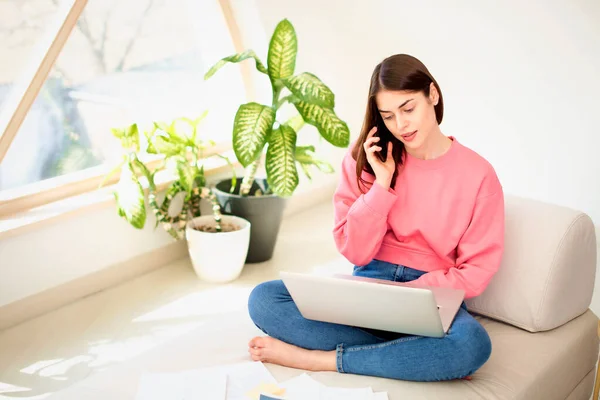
(260, 341)
(255, 351)
(257, 342)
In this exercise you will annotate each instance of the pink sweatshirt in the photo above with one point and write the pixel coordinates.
(445, 216)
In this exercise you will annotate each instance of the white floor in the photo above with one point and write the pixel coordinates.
(59, 349)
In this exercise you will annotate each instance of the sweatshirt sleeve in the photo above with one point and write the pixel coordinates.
(479, 251)
(360, 219)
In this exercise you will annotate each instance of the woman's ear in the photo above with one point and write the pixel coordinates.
(434, 96)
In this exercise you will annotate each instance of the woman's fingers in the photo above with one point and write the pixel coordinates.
(371, 132)
(369, 142)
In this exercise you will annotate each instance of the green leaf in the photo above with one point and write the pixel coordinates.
(169, 139)
(333, 129)
(111, 173)
(163, 126)
(306, 158)
(129, 137)
(253, 124)
(296, 123)
(162, 142)
(150, 149)
(119, 133)
(283, 47)
(179, 132)
(306, 170)
(235, 59)
(138, 164)
(200, 178)
(187, 175)
(304, 151)
(280, 163)
(194, 123)
(130, 198)
(134, 137)
(307, 87)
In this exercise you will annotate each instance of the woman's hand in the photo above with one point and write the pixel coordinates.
(384, 171)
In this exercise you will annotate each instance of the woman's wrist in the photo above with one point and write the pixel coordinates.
(385, 183)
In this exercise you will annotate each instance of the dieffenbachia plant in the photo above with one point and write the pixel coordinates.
(256, 125)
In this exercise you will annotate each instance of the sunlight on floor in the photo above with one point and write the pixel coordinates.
(18, 392)
(143, 333)
(215, 301)
(119, 351)
(34, 368)
(8, 388)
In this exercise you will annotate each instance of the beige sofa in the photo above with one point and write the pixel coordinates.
(544, 337)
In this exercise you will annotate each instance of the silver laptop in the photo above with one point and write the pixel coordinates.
(374, 303)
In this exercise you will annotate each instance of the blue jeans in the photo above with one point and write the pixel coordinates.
(463, 350)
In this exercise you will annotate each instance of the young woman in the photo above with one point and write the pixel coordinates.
(413, 205)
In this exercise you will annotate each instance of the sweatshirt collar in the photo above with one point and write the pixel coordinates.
(434, 163)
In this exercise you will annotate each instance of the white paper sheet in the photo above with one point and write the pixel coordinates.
(301, 387)
(334, 393)
(232, 382)
(243, 377)
(304, 387)
(184, 385)
(227, 382)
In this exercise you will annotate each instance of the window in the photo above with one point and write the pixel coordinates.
(22, 23)
(123, 62)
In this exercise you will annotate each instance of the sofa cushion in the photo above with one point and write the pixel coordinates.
(548, 269)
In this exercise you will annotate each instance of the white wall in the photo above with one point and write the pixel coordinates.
(519, 85)
(70, 248)
(520, 79)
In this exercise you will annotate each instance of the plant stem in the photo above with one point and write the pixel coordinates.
(216, 208)
(282, 101)
(249, 178)
(276, 92)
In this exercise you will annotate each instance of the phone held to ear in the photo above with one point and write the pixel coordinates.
(383, 134)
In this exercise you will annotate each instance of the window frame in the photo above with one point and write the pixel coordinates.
(26, 90)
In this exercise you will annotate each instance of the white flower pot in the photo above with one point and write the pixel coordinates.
(218, 256)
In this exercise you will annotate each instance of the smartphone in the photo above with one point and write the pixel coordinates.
(384, 136)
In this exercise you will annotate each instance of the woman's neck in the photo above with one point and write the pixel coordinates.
(437, 144)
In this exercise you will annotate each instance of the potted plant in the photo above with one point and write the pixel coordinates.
(256, 127)
(217, 244)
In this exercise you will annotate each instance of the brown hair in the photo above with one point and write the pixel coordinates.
(395, 73)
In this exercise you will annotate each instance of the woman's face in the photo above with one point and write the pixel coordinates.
(409, 116)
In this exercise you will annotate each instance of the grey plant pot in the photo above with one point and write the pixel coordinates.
(264, 213)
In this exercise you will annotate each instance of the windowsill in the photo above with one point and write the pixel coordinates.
(307, 193)
(22, 222)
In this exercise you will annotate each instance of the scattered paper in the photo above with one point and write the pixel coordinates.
(334, 393)
(304, 387)
(265, 388)
(244, 381)
(243, 377)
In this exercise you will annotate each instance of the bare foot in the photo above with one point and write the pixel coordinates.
(275, 351)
